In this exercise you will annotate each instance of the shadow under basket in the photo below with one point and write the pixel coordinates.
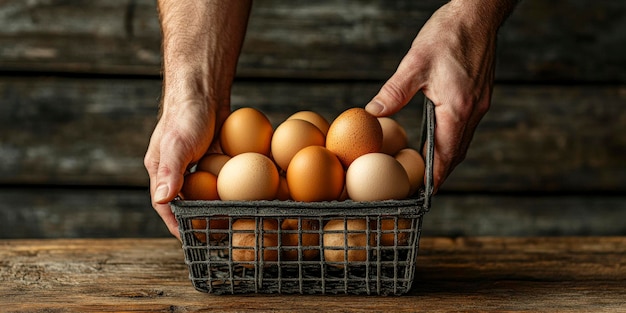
(289, 247)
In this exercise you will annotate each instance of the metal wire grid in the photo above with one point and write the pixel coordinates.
(386, 269)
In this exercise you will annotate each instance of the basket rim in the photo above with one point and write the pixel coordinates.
(412, 207)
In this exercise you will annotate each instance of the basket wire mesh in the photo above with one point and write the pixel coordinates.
(336, 247)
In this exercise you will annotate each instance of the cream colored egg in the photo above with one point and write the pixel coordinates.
(413, 164)
(337, 233)
(248, 176)
(314, 118)
(394, 136)
(290, 137)
(376, 176)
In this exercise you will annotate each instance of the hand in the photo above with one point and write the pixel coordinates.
(180, 139)
(452, 61)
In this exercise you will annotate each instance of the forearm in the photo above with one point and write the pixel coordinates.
(201, 45)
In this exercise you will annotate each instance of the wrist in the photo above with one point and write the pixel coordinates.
(484, 16)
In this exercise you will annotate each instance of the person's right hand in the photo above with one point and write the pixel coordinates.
(182, 136)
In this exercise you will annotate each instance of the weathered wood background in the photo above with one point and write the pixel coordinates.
(80, 83)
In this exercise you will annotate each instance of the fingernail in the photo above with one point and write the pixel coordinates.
(374, 108)
(161, 193)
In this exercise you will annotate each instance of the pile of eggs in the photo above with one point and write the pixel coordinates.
(358, 156)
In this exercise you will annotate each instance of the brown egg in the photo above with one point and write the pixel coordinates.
(244, 243)
(246, 130)
(310, 239)
(376, 176)
(354, 133)
(315, 174)
(290, 137)
(199, 185)
(314, 118)
(388, 227)
(335, 242)
(202, 185)
(283, 190)
(217, 230)
(394, 136)
(212, 163)
(248, 176)
(413, 164)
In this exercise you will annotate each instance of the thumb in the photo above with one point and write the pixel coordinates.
(397, 91)
(169, 176)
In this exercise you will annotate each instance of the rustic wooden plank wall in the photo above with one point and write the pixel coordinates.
(80, 83)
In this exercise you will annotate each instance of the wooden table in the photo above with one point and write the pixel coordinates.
(560, 274)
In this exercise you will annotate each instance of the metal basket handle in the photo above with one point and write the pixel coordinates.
(427, 136)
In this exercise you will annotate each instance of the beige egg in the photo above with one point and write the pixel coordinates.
(212, 163)
(376, 176)
(244, 243)
(413, 164)
(248, 176)
(314, 118)
(290, 137)
(394, 136)
(246, 130)
(304, 237)
(315, 174)
(354, 133)
(334, 238)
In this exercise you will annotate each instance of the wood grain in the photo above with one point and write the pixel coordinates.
(567, 274)
(95, 131)
(67, 212)
(358, 39)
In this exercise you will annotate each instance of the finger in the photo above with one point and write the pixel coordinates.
(168, 180)
(168, 218)
(173, 163)
(399, 89)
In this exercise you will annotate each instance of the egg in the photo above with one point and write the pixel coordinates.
(315, 174)
(314, 118)
(307, 231)
(354, 133)
(248, 176)
(388, 229)
(290, 137)
(212, 163)
(217, 229)
(376, 176)
(202, 185)
(243, 243)
(334, 239)
(246, 130)
(199, 185)
(414, 166)
(394, 136)
(283, 189)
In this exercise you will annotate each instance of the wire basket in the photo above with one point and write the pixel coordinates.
(289, 247)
